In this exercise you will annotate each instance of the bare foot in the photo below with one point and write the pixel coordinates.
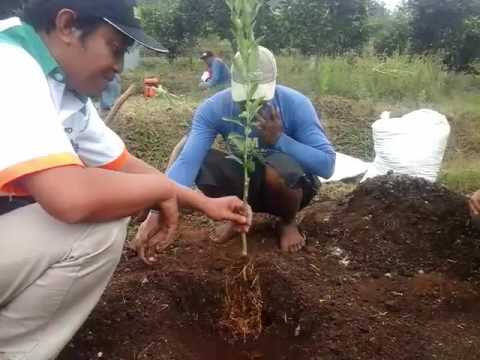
(290, 238)
(223, 233)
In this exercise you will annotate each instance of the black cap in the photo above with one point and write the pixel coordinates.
(206, 54)
(137, 34)
(121, 15)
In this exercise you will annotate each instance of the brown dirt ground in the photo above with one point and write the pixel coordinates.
(390, 272)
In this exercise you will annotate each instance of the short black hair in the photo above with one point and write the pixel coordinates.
(41, 14)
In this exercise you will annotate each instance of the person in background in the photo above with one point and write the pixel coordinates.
(217, 75)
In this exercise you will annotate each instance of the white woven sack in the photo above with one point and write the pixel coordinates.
(414, 144)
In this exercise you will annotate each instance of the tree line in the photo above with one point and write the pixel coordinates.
(449, 28)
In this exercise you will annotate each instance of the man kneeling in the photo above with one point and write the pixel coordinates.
(290, 133)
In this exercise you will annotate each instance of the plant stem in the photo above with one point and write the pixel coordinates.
(243, 15)
(246, 186)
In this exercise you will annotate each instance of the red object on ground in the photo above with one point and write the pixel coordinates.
(151, 81)
(149, 91)
(149, 86)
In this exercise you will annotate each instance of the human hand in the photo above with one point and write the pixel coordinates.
(232, 209)
(157, 232)
(474, 202)
(270, 124)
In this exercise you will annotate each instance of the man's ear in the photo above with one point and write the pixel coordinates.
(65, 26)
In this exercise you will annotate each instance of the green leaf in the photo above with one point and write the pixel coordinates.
(252, 90)
(257, 105)
(236, 137)
(234, 121)
(235, 158)
(259, 155)
(251, 167)
(244, 114)
(237, 143)
(252, 144)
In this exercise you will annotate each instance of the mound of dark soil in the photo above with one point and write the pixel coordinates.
(406, 225)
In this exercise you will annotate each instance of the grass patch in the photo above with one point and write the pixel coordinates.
(417, 80)
(180, 77)
(461, 175)
(349, 93)
(152, 127)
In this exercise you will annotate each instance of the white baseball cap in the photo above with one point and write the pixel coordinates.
(265, 75)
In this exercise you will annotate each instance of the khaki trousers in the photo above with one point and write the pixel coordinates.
(51, 277)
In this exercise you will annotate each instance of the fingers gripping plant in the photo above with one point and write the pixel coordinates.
(243, 16)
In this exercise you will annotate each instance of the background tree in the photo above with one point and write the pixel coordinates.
(176, 23)
(446, 26)
(327, 27)
(392, 33)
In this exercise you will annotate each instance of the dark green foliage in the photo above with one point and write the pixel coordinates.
(391, 33)
(451, 27)
(326, 27)
(177, 24)
(331, 27)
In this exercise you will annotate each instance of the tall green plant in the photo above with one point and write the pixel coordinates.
(270, 24)
(243, 16)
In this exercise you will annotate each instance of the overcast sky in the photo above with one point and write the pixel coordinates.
(391, 3)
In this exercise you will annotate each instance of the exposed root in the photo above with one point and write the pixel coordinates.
(243, 304)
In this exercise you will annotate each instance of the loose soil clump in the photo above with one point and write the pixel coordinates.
(390, 272)
(407, 225)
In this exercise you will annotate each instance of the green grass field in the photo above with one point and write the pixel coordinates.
(350, 93)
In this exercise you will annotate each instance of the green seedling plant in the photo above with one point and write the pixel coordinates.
(245, 147)
(242, 315)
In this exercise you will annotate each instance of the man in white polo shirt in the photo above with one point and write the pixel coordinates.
(67, 182)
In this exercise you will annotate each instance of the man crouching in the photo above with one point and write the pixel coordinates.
(295, 146)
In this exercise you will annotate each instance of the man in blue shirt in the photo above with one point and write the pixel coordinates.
(110, 95)
(219, 74)
(296, 148)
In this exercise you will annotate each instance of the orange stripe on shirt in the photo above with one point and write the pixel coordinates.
(9, 175)
(118, 163)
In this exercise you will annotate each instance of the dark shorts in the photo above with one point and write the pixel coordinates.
(8, 204)
(220, 176)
